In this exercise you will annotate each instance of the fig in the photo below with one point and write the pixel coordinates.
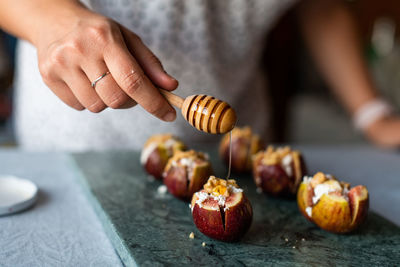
(278, 171)
(156, 152)
(332, 205)
(186, 173)
(244, 145)
(221, 210)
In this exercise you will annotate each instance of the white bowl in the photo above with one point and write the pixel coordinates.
(16, 194)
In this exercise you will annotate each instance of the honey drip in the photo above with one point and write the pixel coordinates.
(230, 156)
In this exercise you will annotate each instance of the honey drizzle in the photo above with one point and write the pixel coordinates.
(230, 156)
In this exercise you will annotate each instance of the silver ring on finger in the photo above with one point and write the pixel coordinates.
(99, 78)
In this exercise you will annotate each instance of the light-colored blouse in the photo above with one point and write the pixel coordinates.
(212, 47)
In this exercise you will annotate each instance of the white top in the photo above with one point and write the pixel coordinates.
(211, 47)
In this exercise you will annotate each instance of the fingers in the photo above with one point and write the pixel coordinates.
(150, 64)
(107, 89)
(62, 91)
(84, 92)
(91, 49)
(133, 81)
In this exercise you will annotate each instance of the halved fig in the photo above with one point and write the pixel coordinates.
(221, 210)
(244, 145)
(156, 152)
(186, 173)
(278, 171)
(331, 204)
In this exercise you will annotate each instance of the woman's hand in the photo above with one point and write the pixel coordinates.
(385, 132)
(80, 47)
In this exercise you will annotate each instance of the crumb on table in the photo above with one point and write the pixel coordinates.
(203, 244)
(191, 236)
(162, 190)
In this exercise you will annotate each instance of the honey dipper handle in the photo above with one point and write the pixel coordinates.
(175, 100)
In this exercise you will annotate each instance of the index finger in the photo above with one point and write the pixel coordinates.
(131, 78)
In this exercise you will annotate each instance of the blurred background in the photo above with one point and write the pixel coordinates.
(297, 90)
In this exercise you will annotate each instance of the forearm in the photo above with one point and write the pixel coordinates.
(26, 19)
(331, 35)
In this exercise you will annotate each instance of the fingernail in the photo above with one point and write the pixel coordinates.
(170, 116)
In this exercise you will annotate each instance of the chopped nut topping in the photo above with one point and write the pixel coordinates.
(345, 186)
(191, 236)
(250, 142)
(216, 186)
(327, 184)
(290, 161)
(183, 158)
(166, 144)
(334, 185)
(242, 132)
(318, 178)
(159, 138)
(274, 156)
(167, 140)
(218, 190)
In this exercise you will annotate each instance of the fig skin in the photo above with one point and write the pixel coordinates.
(163, 147)
(237, 219)
(244, 145)
(156, 163)
(177, 179)
(304, 199)
(274, 180)
(359, 205)
(333, 212)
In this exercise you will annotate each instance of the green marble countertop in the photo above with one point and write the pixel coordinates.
(149, 229)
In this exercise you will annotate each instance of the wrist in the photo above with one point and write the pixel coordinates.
(371, 112)
(55, 20)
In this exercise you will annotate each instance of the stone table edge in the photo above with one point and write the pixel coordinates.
(118, 244)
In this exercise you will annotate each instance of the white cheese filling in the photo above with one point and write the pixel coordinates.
(146, 153)
(170, 143)
(321, 190)
(307, 179)
(203, 196)
(286, 164)
(150, 148)
(186, 162)
(309, 211)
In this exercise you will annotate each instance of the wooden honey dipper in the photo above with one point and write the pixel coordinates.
(204, 112)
